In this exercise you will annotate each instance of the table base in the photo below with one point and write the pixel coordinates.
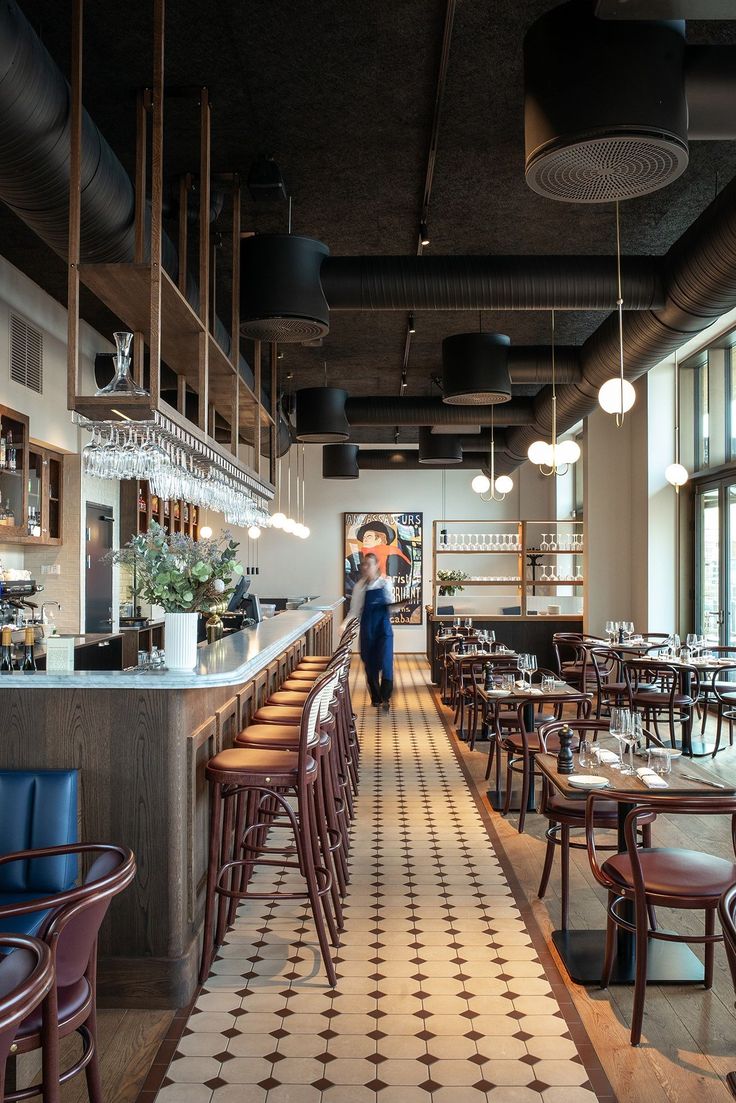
(667, 962)
(496, 800)
(700, 749)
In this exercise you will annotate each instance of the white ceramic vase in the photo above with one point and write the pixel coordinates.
(180, 640)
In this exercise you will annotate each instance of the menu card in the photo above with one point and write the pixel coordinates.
(59, 653)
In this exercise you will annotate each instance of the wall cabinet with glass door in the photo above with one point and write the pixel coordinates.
(30, 485)
(138, 507)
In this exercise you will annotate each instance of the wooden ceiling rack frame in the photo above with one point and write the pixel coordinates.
(150, 302)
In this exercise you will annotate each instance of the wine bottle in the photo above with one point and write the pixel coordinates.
(6, 650)
(3, 451)
(29, 662)
(10, 450)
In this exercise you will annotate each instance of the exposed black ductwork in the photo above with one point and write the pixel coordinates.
(488, 283)
(407, 459)
(533, 364)
(386, 410)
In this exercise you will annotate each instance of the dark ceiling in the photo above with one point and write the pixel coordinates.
(342, 95)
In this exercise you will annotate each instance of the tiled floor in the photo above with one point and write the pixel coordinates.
(442, 997)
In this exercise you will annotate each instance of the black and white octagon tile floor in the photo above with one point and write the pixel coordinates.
(442, 997)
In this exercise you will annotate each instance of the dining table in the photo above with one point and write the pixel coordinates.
(582, 951)
(530, 696)
(704, 665)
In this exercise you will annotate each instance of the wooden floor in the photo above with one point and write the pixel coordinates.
(689, 1041)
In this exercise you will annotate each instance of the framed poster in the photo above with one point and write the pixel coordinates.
(396, 539)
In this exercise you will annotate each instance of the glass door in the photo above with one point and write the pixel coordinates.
(715, 607)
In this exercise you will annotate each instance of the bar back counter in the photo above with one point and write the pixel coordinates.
(141, 742)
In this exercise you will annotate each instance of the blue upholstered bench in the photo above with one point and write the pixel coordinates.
(38, 808)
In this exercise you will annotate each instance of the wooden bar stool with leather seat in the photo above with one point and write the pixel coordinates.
(71, 932)
(26, 978)
(277, 775)
(660, 877)
(569, 815)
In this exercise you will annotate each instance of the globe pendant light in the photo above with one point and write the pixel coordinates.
(475, 369)
(554, 458)
(492, 489)
(675, 473)
(617, 395)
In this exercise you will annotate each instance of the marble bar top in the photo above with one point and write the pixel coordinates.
(231, 661)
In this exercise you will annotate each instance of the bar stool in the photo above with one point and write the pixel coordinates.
(26, 978)
(273, 774)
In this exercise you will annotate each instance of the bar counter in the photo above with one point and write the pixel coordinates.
(141, 743)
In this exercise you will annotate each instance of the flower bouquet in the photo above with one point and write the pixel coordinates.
(450, 580)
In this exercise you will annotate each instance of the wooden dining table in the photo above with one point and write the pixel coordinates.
(582, 951)
(530, 697)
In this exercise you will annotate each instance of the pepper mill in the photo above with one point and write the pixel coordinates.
(488, 671)
(565, 761)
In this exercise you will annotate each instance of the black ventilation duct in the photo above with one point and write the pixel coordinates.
(320, 415)
(340, 461)
(438, 450)
(605, 112)
(390, 410)
(407, 459)
(281, 297)
(475, 369)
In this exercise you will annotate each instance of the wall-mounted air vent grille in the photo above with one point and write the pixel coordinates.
(26, 354)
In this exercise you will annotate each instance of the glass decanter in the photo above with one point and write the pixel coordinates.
(122, 382)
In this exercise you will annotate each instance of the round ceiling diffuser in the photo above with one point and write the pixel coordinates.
(281, 297)
(320, 415)
(340, 461)
(439, 450)
(475, 369)
(605, 108)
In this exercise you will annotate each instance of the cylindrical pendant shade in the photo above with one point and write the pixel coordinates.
(320, 415)
(281, 297)
(475, 369)
(438, 449)
(340, 461)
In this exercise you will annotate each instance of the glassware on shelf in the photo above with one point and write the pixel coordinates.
(543, 577)
(553, 541)
(122, 382)
(453, 541)
(578, 574)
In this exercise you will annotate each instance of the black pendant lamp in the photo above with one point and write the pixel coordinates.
(475, 369)
(438, 450)
(320, 415)
(340, 461)
(281, 297)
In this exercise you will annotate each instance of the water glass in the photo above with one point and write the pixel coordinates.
(660, 760)
(548, 683)
(585, 754)
(507, 681)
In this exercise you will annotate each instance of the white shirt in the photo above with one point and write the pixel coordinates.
(357, 601)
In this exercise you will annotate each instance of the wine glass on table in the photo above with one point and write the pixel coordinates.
(521, 665)
(532, 667)
(619, 728)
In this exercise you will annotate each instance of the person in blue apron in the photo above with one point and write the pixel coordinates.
(370, 602)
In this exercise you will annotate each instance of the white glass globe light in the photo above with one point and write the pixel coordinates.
(611, 393)
(254, 532)
(298, 529)
(676, 474)
(306, 532)
(504, 484)
(278, 520)
(289, 524)
(205, 532)
(481, 484)
(540, 452)
(568, 451)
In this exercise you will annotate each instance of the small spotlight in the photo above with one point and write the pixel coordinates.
(412, 327)
(404, 381)
(423, 233)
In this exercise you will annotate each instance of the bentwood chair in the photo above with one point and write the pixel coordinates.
(727, 916)
(660, 877)
(70, 931)
(654, 688)
(26, 978)
(565, 815)
(720, 691)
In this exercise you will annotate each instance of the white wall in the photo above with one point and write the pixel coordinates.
(292, 567)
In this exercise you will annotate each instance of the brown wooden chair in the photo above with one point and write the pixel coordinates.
(654, 689)
(26, 978)
(661, 877)
(727, 916)
(566, 815)
(721, 691)
(70, 931)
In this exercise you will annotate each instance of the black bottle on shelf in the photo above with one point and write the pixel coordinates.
(6, 650)
(28, 662)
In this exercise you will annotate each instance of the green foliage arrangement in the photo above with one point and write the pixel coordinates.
(451, 578)
(178, 573)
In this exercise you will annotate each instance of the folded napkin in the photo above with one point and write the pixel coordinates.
(607, 757)
(650, 779)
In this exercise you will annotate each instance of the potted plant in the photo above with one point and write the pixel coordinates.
(184, 577)
(450, 580)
